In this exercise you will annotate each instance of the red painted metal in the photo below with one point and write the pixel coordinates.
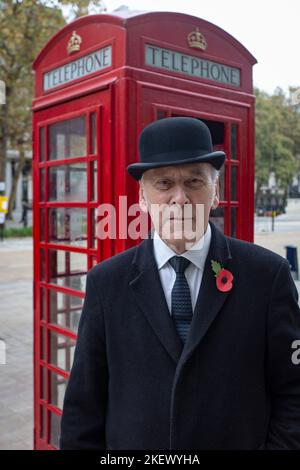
(125, 97)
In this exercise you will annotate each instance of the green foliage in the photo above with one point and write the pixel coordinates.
(25, 27)
(277, 138)
(82, 7)
(17, 232)
(216, 267)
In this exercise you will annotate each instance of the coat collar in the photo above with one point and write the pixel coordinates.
(147, 289)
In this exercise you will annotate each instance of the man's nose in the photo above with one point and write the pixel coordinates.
(179, 196)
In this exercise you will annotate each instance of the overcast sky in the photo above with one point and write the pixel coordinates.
(270, 30)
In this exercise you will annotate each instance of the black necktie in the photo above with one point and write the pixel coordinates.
(182, 311)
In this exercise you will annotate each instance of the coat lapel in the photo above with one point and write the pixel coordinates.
(210, 300)
(146, 286)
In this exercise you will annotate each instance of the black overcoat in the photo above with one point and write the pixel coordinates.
(234, 385)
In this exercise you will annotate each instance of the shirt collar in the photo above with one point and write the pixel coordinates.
(197, 255)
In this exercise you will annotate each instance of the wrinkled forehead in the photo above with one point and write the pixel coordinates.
(179, 171)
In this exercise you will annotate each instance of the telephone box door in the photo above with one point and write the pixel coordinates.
(71, 179)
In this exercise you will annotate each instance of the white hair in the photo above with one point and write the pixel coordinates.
(141, 180)
(214, 173)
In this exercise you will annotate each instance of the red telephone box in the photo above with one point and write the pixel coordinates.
(99, 81)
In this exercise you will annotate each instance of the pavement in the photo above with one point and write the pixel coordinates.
(286, 231)
(16, 217)
(16, 326)
(16, 323)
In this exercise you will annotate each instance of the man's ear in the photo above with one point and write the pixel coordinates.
(142, 199)
(216, 197)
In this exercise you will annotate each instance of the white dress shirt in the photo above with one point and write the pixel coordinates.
(194, 271)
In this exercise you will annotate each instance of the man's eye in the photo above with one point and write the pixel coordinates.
(163, 183)
(196, 181)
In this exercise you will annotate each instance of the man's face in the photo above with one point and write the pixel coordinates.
(179, 200)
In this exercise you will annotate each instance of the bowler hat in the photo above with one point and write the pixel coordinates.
(175, 141)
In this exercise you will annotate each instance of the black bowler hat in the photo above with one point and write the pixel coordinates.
(175, 141)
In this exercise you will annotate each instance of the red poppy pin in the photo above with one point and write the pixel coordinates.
(224, 277)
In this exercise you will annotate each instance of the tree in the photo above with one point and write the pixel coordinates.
(74, 9)
(25, 27)
(275, 138)
(294, 123)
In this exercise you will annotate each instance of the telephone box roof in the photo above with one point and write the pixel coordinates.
(127, 19)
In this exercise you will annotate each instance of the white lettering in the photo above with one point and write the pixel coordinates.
(81, 67)
(296, 354)
(193, 66)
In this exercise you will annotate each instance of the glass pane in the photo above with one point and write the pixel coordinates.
(58, 388)
(94, 228)
(233, 141)
(93, 142)
(42, 225)
(43, 304)
(43, 422)
(217, 218)
(94, 184)
(43, 343)
(68, 183)
(233, 213)
(54, 429)
(234, 171)
(68, 226)
(68, 269)
(43, 376)
(42, 185)
(222, 182)
(160, 114)
(65, 310)
(42, 265)
(67, 139)
(94, 261)
(42, 144)
(61, 351)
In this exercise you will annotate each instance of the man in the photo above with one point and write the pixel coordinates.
(185, 348)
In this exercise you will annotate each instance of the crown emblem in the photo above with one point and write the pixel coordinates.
(197, 40)
(74, 43)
